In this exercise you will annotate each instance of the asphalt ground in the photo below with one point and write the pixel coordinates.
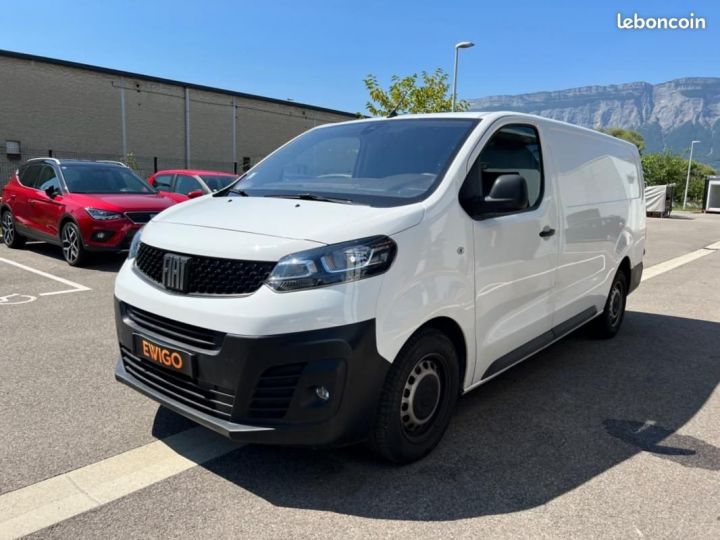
(592, 439)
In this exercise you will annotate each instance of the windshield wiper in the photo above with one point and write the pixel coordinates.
(312, 197)
(240, 192)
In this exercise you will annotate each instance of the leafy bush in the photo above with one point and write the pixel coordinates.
(667, 168)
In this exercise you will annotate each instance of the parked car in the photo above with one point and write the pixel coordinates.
(366, 274)
(82, 206)
(184, 184)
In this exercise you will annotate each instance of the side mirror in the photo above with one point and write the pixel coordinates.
(195, 193)
(508, 194)
(51, 192)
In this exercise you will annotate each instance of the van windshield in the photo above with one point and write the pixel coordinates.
(382, 163)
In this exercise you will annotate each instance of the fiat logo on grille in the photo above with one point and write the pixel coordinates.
(175, 274)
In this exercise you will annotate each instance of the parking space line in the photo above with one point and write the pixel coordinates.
(676, 262)
(56, 499)
(76, 287)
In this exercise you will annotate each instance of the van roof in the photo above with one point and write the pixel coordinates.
(489, 116)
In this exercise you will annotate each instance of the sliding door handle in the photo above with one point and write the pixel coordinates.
(547, 232)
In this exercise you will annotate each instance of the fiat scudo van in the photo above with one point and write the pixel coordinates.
(353, 284)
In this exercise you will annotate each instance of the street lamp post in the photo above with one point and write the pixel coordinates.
(461, 45)
(687, 181)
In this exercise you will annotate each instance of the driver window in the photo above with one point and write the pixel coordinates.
(186, 184)
(513, 149)
(47, 178)
(163, 181)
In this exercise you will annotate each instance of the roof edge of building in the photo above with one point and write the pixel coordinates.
(151, 78)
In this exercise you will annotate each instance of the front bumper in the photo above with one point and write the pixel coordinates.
(109, 237)
(262, 388)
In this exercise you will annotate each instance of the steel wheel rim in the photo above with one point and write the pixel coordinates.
(421, 396)
(70, 244)
(8, 228)
(615, 304)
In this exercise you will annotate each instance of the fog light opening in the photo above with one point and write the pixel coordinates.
(102, 236)
(322, 392)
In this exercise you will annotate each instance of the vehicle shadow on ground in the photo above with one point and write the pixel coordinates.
(679, 216)
(103, 262)
(538, 431)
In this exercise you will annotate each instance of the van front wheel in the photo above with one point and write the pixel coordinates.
(418, 398)
(607, 324)
(72, 245)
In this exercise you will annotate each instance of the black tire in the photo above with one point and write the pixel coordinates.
(73, 248)
(417, 399)
(11, 238)
(607, 324)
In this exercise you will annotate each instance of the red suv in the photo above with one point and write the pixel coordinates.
(82, 206)
(184, 184)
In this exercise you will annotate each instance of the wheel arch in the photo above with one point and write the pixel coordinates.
(625, 268)
(65, 219)
(68, 217)
(450, 328)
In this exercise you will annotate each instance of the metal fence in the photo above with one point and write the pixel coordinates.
(143, 165)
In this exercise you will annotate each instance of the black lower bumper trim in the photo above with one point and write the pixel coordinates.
(228, 429)
(635, 277)
(267, 389)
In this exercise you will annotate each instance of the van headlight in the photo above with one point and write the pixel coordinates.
(135, 244)
(336, 263)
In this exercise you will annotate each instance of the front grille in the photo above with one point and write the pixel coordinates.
(177, 331)
(141, 217)
(274, 391)
(210, 399)
(208, 275)
(149, 261)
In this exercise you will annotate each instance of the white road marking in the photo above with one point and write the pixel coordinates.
(16, 299)
(676, 262)
(76, 287)
(56, 499)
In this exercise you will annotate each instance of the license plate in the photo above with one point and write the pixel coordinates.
(163, 356)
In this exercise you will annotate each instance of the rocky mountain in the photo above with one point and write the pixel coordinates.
(669, 115)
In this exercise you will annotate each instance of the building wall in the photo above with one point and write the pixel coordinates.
(77, 112)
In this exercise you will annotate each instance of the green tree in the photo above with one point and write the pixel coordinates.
(667, 168)
(131, 161)
(626, 135)
(432, 94)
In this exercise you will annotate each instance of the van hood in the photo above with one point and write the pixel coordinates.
(313, 221)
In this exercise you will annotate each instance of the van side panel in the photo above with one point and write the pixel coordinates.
(600, 191)
(432, 276)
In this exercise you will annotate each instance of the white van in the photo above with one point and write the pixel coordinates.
(359, 279)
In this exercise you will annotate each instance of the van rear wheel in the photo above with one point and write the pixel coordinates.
(418, 399)
(11, 237)
(607, 325)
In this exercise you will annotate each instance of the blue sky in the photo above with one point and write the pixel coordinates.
(319, 51)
